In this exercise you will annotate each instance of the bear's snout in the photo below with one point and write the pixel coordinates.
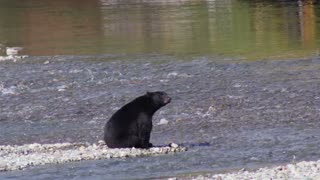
(166, 99)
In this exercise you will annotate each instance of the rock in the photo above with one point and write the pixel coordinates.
(13, 58)
(62, 88)
(13, 50)
(101, 143)
(172, 74)
(82, 148)
(173, 145)
(163, 122)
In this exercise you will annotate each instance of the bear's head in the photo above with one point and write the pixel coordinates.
(159, 98)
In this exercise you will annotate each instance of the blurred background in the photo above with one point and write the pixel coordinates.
(247, 29)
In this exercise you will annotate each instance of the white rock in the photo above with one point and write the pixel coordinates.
(173, 145)
(163, 122)
(172, 74)
(13, 58)
(62, 88)
(13, 50)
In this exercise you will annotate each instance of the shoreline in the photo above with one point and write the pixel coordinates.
(14, 157)
(301, 170)
(18, 157)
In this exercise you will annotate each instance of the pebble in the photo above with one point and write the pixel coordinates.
(13, 50)
(13, 58)
(163, 122)
(13, 157)
(173, 145)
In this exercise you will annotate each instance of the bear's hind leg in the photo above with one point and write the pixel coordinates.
(131, 141)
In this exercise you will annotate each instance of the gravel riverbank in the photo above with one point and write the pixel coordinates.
(302, 170)
(14, 157)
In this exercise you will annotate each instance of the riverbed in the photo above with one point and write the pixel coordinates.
(230, 113)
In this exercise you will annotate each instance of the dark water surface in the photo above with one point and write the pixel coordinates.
(250, 113)
(239, 28)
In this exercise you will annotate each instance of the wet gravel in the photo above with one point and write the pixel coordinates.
(301, 170)
(20, 157)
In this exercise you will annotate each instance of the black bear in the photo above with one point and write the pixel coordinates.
(131, 125)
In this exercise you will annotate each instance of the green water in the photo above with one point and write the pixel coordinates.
(235, 28)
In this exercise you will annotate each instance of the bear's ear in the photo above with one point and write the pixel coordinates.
(148, 93)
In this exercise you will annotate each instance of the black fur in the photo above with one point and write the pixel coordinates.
(131, 125)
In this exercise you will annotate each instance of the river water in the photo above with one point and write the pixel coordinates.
(239, 28)
(233, 105)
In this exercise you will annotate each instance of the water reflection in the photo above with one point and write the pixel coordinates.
(242, 28)
(50, 27)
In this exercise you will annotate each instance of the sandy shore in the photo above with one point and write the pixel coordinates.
(20, 157)
(297, 171)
